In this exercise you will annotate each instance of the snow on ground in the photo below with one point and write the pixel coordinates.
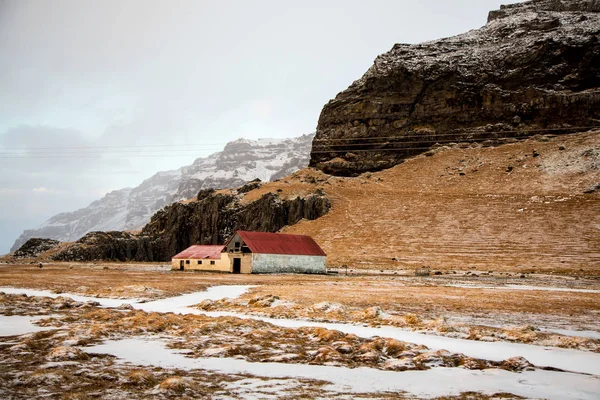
(571, 332)
(104, 302)
(260, 388)
(172, 304)
(448, 381)
(179, 304)
(541, 356)
(19, 325)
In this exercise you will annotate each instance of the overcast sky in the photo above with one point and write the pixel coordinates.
(76, 75)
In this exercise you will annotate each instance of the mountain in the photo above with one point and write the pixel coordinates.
(533, 68)
(528, 206)
(211, 218)
(130, 209)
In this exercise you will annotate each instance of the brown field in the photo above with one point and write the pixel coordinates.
(51, 362)
(427, 297)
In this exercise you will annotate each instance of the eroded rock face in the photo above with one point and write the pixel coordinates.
(34, 247)
(210, 220)
(534, 66)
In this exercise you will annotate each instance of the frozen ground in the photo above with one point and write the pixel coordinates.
(543, 356)
(18, 325)
(172, 304)
(580, 378)
(571, 332)
(448, 381)
(565, 359)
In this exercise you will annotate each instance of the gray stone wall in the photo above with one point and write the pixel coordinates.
(281, 263)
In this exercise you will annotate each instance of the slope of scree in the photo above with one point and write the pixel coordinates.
(210, 219)
(130, 209)
(534, 67)
(530, 206)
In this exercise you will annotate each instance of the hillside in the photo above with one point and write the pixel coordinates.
(533, 68)
(130, 209)
(520, 206)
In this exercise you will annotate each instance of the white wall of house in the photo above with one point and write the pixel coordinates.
(283, 263)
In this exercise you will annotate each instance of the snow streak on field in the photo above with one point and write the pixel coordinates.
(18, 325)
(449, 381)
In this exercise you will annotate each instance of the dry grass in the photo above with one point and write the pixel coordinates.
(141, 377)
(120, 281)
(177, 384)
(461, 208)
(401, 298)
(426, 308)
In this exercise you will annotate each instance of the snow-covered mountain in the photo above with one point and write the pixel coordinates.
(130, 209)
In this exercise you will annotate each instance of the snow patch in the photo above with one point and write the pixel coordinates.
(19, 325)
(448, 381)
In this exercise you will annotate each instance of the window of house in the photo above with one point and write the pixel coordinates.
(199, 262)
(187, 261)
(212, 262)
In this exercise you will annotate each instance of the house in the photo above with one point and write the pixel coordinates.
(262, 252)
(256, 253)
(205, 258)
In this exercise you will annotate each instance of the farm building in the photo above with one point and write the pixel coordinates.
(256, 253)
(262, 252)
(205, 258)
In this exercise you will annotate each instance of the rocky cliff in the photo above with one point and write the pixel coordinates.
(533, 68)
(211, 219)
(130, 209)
(35, 247)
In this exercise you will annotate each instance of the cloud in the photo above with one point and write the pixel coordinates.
(62, 165)
(261, 108)
(44, 190)
(10, 191)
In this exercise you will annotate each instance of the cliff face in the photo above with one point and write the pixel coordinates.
(35, 247)
(130, 209)
(534, 66)
(212, 219)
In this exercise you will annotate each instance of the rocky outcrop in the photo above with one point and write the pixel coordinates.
(210, 220)
(534, 67)
(130, 209)
(35, 247)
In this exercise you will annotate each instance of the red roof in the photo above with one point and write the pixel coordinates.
(280, 243)
(201, 251)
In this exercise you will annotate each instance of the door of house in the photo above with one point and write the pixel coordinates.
(237, 265)
(181, 265)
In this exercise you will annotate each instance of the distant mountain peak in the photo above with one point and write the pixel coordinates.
(241, 161)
